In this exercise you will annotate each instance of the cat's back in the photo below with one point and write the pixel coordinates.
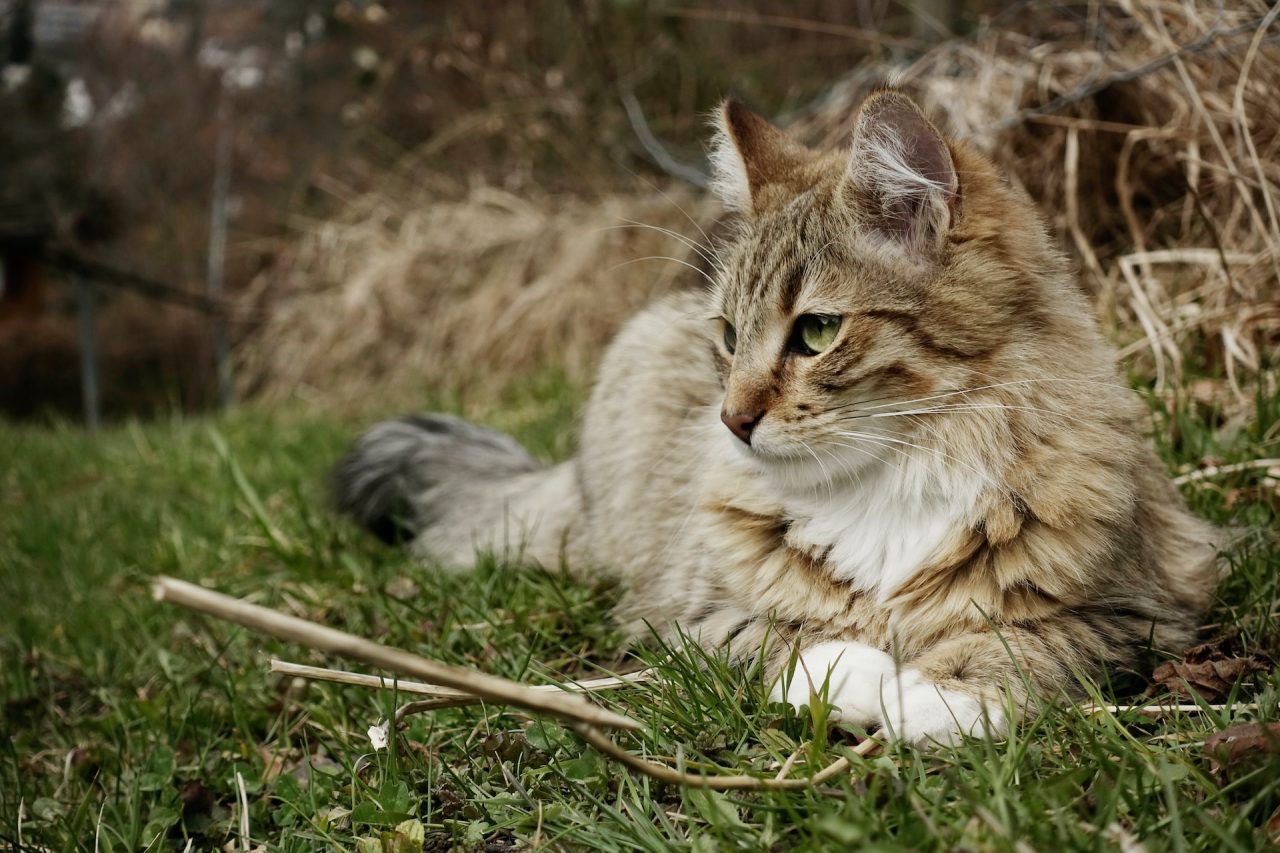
(653, 407)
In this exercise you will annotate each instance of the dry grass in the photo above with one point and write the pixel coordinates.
(467, 294)
(1147, 131)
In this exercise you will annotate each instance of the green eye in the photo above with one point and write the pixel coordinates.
(730, 337)
(814, 333)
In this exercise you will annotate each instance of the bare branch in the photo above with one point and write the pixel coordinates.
(448, 696)
(1215, 470)
(602, 743)
(490, 688)
(1157, 711)
(656, 150)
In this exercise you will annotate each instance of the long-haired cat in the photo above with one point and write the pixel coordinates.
(890, 440)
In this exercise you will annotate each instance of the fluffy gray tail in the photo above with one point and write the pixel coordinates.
(450, 488)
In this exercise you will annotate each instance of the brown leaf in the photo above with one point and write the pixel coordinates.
(1239, 747)
(1223, 646)
(1210, 680)
(1210, 669)
(1217, 648)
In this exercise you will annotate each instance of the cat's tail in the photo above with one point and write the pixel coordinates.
(450, 489)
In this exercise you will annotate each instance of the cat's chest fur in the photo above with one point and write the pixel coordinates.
(879, 532)
(870, 536)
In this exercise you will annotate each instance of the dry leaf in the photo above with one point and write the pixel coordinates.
(1210, 680)
(1210, 670)
(1239, 747)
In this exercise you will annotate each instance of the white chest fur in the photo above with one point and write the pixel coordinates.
(883, 528)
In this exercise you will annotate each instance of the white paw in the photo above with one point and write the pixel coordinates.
(921, 713)
(853, 675)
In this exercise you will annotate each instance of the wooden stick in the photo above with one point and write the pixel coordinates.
(1233, 468)
(464, 684)
(489, 688)
(452, 697)
(1157, 710)
(601, 742)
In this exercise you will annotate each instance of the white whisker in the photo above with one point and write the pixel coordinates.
(965, 407)
(663, 258)
(704, 252)
(942, 454)
(958, 391)
(844, 464)
(823, 468)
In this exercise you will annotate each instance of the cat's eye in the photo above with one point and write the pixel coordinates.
(813, 333)
(730, 337)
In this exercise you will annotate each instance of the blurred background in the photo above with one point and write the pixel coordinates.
(205, 202)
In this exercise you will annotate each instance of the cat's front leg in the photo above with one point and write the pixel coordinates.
(851, 676)
(968, 684)
(923, 712)
(871, 691)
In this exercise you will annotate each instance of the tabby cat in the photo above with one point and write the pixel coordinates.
(889, 444)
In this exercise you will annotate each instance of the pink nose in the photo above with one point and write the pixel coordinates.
(741, 425)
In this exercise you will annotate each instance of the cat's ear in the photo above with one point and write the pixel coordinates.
(901, 177)
(752, 162)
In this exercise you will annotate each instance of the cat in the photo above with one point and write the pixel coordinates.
(887, 453)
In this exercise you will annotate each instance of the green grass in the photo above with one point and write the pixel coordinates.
(127, 721)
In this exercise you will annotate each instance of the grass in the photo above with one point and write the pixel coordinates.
(128, 722)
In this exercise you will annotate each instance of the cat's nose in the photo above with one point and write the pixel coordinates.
(741, 425)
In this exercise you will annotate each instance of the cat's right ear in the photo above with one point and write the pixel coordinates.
(900, 175)
(752, 162)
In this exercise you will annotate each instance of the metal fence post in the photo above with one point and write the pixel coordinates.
(217, 253)
(88, 355)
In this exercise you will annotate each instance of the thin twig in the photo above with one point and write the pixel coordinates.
(661, 772)
(1242, 120)
(656, 150)
(785, 770)
(1156, 711)
(452, 697)
(68, 259)
(490, 688)
(602, 743)
(1089, 88)
(579, 713)
(1215, 470)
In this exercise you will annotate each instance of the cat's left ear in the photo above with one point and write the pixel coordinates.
(754, 165)
(901, 178)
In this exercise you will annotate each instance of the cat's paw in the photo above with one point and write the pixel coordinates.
(923, 713)
(853, 673)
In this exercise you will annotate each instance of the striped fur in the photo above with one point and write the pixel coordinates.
(953, 505)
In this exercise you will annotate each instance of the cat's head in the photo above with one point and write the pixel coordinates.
(867, 280)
